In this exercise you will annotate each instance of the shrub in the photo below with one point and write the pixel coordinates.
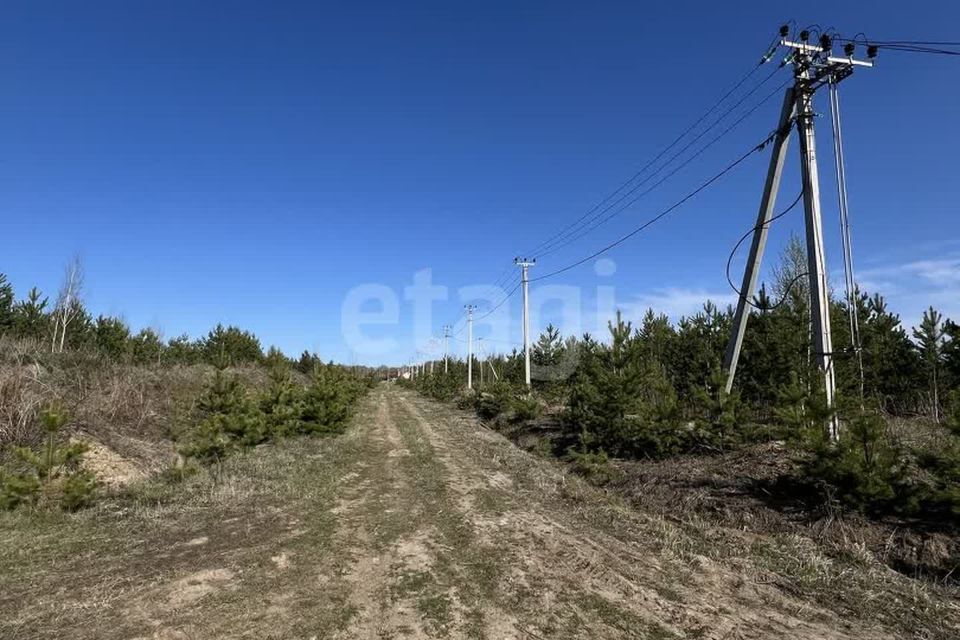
(591, 463)
(232, 344)
(493, 401)
(229, 419)
(327, 401)
(282, 404)
(624, 401)
(719, 414)
(864, 470)
(525, 407)
(50, 474)
(941, 494)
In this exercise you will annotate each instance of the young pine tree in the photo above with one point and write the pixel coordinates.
(229, 419)
(282, 404)
(50, 474)
(6, 305)
(929, 337)
(327, 401)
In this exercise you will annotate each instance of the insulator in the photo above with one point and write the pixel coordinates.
(784, 31)
(826, 43)
(804, 35)
(872, 51)
(849, 48)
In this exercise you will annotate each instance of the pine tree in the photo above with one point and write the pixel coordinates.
(232, 343)
(50, 474)
(30, 317)
(625, 406)
(892, 367)
(720, 412)
(951, 355)
(327, 401)
(701, 340)
(228, 419)
(929, 338)
(308, 362)
(548, 350)
(146, 347)
(657, 338)
(282, 404)
(549, 364)
(6, 305)
(183, 350)
(112, 337)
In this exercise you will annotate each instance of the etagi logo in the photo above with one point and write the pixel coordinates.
(381, 323)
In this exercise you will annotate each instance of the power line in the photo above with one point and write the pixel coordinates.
(672, 172)
(663, 151)
(583, 226)
(662, 214)
(500, 304)
(733, 252)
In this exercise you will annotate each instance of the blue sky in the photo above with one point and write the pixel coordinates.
(254, 162)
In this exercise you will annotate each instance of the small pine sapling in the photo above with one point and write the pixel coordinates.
(51, 474)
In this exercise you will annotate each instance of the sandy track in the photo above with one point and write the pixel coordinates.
(416, 523)
(557, 559)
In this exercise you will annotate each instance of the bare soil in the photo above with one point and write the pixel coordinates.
(420, 523)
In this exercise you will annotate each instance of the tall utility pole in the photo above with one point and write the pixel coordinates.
(446, 337)
(469, 309)
(752, 272)
(525, 265)
(813, 67)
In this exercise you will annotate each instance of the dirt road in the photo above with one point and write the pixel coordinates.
(418, 523)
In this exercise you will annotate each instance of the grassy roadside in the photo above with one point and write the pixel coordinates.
(255, 528)
(856, 587)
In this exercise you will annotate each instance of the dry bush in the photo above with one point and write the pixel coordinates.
(21, 398)
(136, 411)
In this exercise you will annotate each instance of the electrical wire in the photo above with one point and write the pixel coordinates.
(733, 252)
(850, 283)
(679, 167)
(662, 214)
(657, 157)
(909, 46)
(600, 217)
(500, 304)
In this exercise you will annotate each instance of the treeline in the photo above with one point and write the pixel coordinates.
(65, 325)
(657, 390)
(42, 465)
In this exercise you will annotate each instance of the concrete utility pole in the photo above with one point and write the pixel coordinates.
(446, 337)
(813, 67)
(752, 271)
(469, 309)
(525, 265)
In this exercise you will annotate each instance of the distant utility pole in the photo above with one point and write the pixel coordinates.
(469, 309)
(446, 337)
(525, 265)
(813, 67)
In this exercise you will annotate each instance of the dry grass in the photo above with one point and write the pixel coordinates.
(134, 411)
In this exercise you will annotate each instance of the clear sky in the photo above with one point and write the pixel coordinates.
(254, 162)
